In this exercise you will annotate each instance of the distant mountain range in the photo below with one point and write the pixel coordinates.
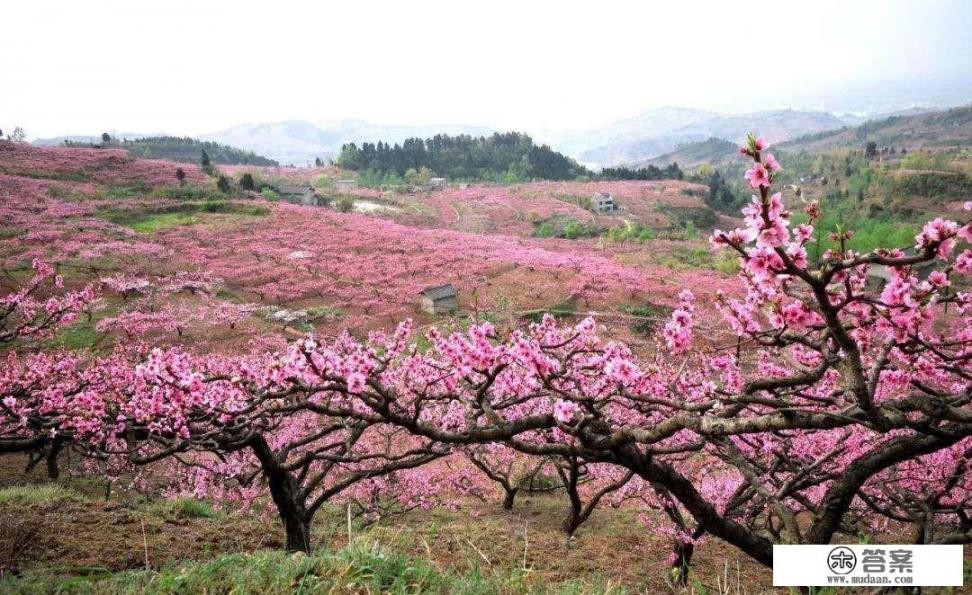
(656, 136)
(911, 129)
(946, 128)
(714, 151)
(647, 135)
(660, 131)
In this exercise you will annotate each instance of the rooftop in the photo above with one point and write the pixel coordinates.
(435, 292)
(294, 188)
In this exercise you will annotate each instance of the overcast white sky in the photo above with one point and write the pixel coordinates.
(194, 66)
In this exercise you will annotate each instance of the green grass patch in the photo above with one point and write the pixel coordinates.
(38, 494)
(695, 217)
(561, 310)
(125, 190)
(152, 219)
(650, 313)
(683, 258)
(11, 232)
(192, 192)
(80, 335)
(154, 223)
(184, 508)
(324, 312)
(78, 175)
(362, 567)
(64, 192)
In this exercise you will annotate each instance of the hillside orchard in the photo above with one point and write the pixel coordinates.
(794, 403)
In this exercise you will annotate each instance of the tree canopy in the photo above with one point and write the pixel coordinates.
(511, 156)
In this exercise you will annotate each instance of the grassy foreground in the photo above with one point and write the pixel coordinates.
(363, 566)
(75, 536)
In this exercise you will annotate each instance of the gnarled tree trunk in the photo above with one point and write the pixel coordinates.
(508, 497)
(286, 495)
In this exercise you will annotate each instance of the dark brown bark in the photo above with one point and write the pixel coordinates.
(579, 511)
(509, 496)
(12, 445)
(704, 513)
(839, 496)
(53, 452)
(682, 562)
(285, 492)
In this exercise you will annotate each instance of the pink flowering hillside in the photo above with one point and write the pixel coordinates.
(349, 270)
(264, 375)
(517, 209)
(101, 166)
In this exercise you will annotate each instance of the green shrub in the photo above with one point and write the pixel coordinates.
(573, 230)
(126, 190)
(569, 228)
(345, 204)
(630, 231)
(690, 231)
(544, 230)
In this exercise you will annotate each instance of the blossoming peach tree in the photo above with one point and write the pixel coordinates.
(35, 310)
(845, 394)
(848, 410)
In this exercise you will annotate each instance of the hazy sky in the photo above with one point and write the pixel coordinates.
(198, 66)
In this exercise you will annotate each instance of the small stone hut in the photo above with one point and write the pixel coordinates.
(300, 194)
(439, 299)
(603, 203)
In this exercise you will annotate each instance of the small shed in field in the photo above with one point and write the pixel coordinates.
(603, 203)
(429, 186)
(439, 299)
(346, 185)
(300, 194)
